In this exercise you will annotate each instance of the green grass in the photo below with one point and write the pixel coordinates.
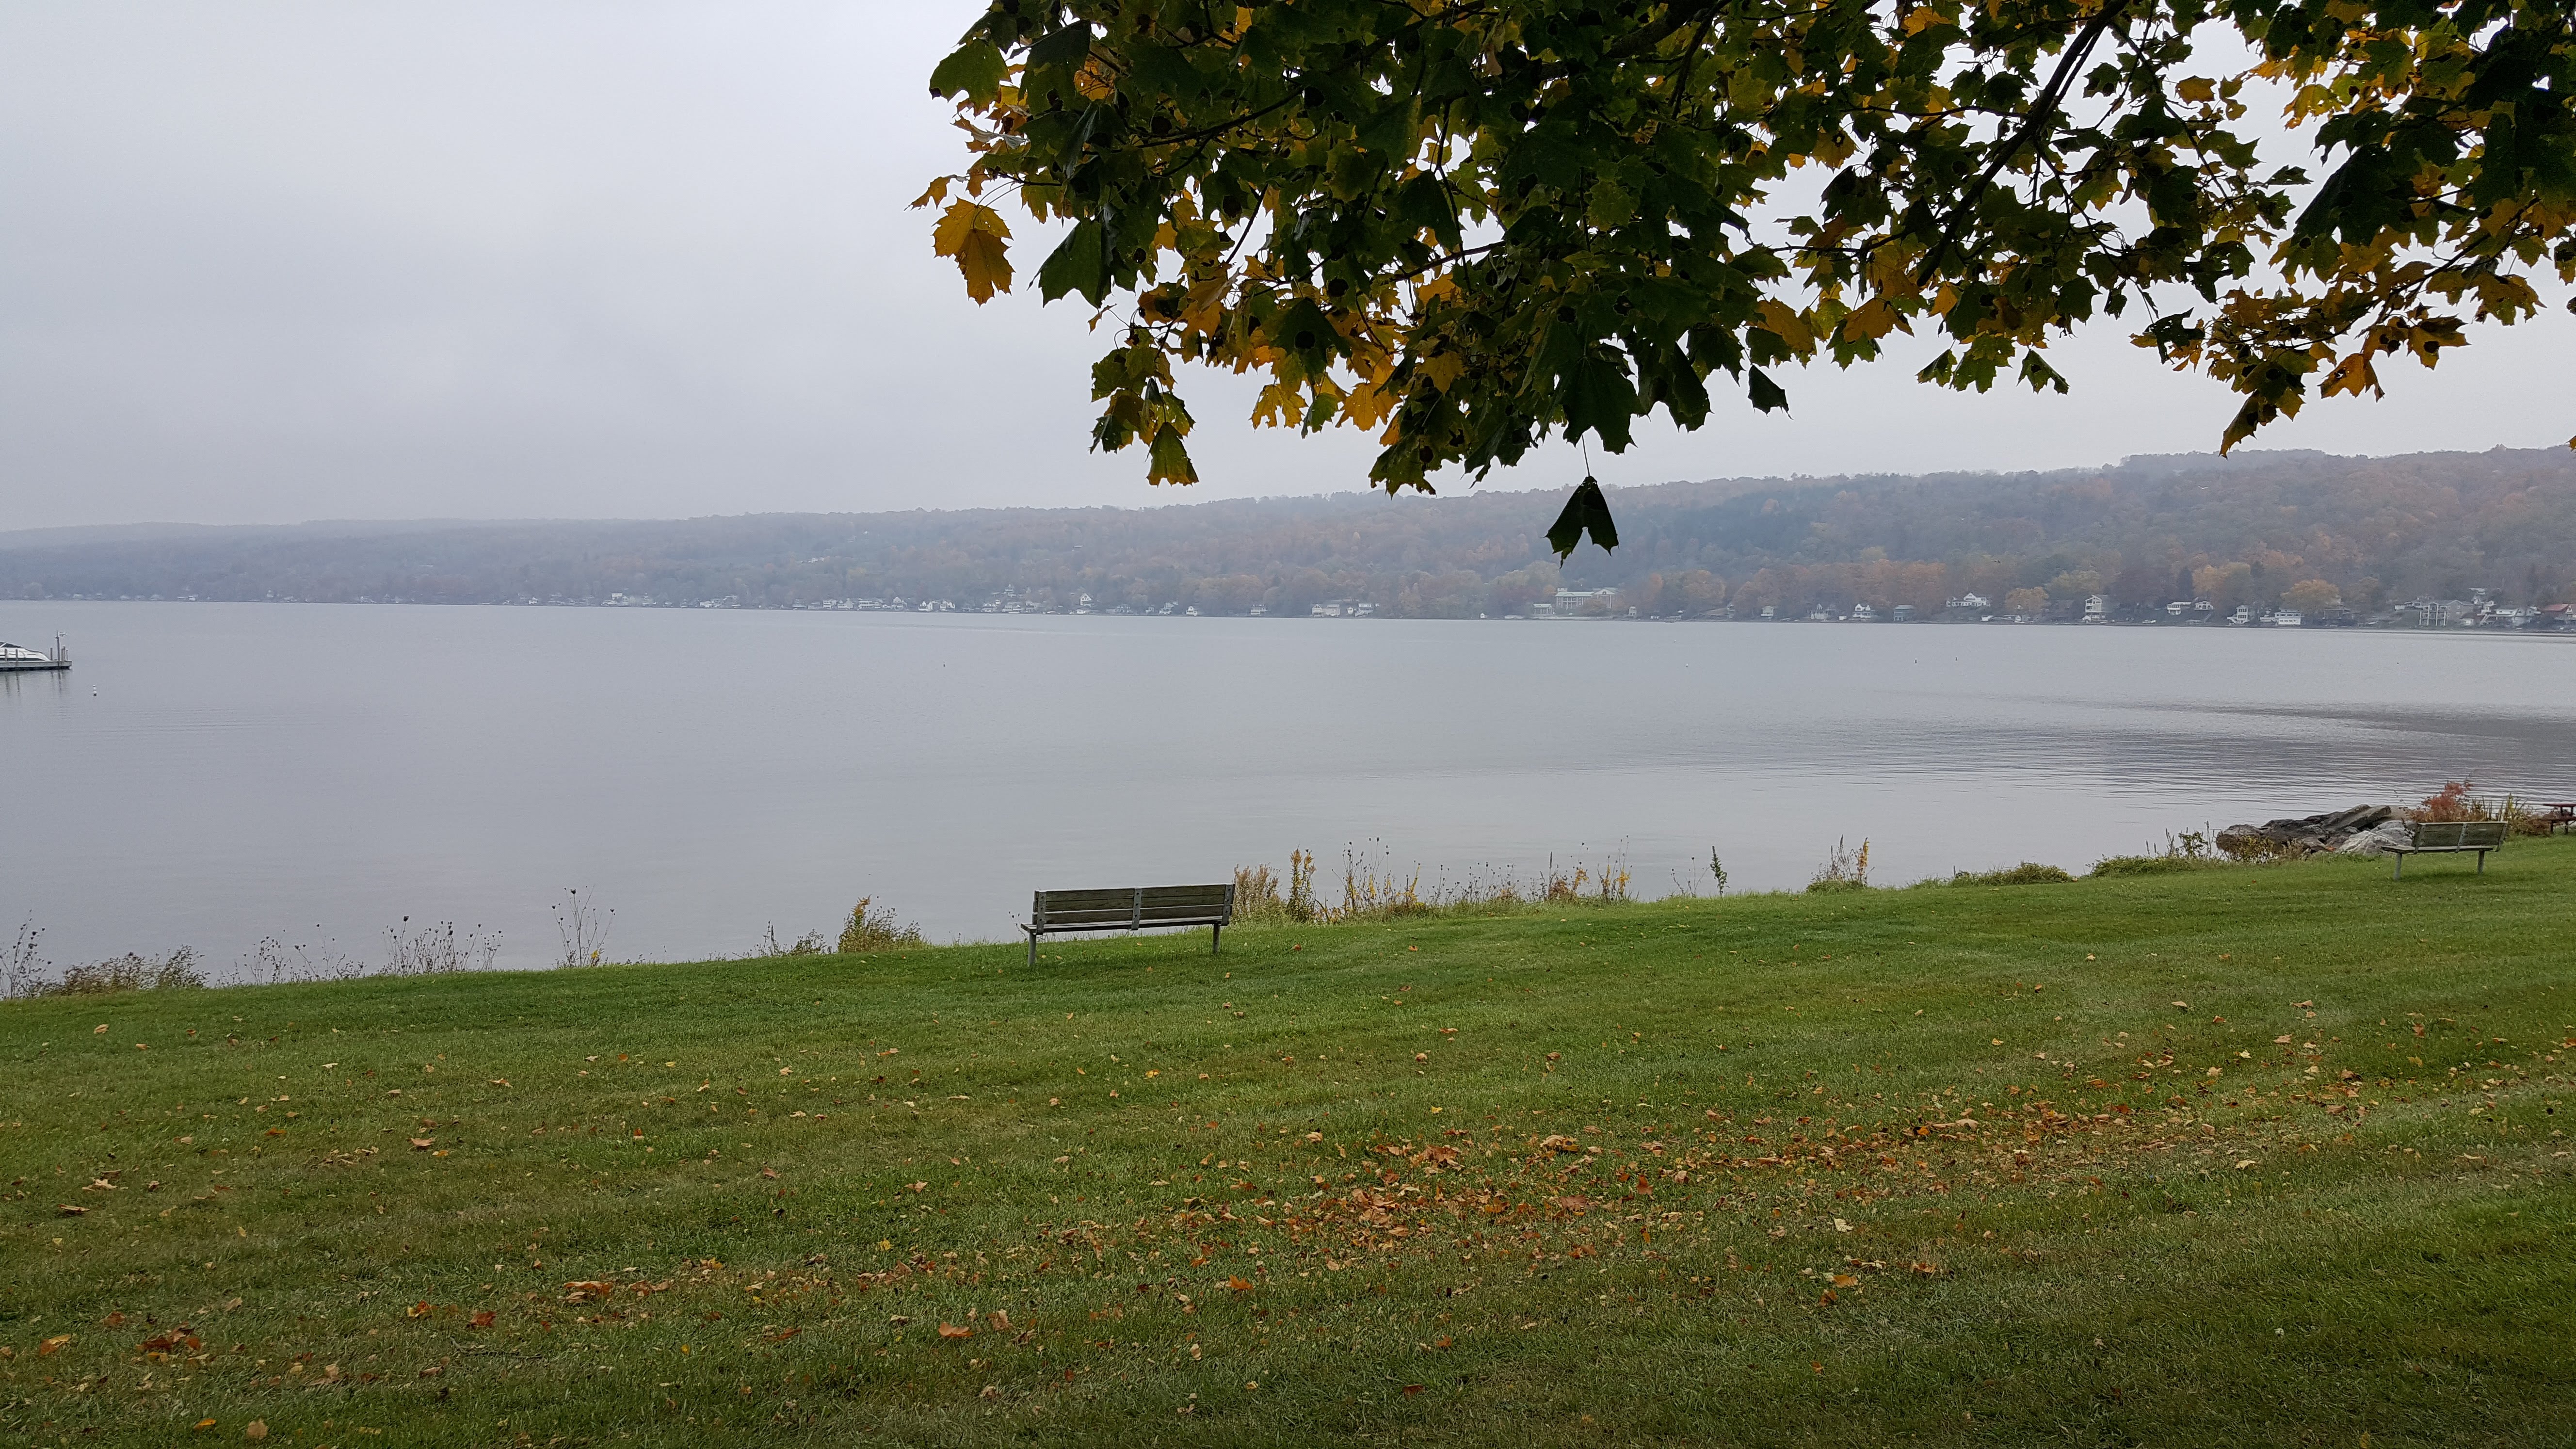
(1943, 1165)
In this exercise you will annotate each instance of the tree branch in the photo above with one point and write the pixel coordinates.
(2043, 112)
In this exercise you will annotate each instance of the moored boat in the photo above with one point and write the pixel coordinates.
(14, 658)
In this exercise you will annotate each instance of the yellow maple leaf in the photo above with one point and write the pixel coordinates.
(1779, 318)
(2353, 375)
(976, 236)
(1279, 406)
(1873, 319)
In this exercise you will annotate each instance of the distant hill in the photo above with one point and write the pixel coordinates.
(2256, 528)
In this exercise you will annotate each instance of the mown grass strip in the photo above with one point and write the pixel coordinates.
(2268, 1152)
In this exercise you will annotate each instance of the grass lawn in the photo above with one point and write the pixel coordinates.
(2263, 1155)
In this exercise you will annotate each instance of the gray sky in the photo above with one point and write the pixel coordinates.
(272, 260)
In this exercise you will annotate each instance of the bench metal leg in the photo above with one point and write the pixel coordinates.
(2482, 862)
(1033, 950)
(1213, 933)
(2400, 875)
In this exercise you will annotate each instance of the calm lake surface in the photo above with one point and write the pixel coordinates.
(210, 774)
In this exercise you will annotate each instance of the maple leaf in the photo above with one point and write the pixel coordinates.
(976, 236)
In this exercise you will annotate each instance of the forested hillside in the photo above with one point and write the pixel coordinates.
(2260, 528)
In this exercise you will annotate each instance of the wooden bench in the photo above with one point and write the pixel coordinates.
(1130, 908)
(2436, 837)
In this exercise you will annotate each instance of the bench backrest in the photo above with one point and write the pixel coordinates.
(2458, 834)
(1135, 906)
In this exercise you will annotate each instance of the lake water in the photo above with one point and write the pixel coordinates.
(210, 774)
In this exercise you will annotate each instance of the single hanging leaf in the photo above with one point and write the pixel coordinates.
(1586, 512)
(975, 236)
(1765, 393)
(1171, 460)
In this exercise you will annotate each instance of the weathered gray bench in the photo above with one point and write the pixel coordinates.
(1130, 908)
(2449, 837)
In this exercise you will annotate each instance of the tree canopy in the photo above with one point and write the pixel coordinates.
(1470, 224)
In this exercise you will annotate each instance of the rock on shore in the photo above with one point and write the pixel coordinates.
(2361, 830)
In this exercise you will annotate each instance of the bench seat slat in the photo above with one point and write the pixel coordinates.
(1083, 900)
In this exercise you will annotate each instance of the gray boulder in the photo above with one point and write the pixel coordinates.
(2307, 834)
(2377, 840)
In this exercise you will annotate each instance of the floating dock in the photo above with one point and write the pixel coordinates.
(14, 659)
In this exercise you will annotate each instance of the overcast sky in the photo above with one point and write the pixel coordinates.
(266, 261)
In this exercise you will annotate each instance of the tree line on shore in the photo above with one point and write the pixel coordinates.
(2308, 530)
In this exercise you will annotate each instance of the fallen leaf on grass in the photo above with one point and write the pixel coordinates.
(951, 1330)
(255, 1430)
(52, 1345)
(1845, 1280)
(481, 1320)
(1574, 1204)
(423, 1144)
(1238, 1285)
(70, 1210)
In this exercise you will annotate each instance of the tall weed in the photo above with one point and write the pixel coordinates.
(583, 928)
(23, 974)
(437, 950)
(874, 928)
(1844, 870)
